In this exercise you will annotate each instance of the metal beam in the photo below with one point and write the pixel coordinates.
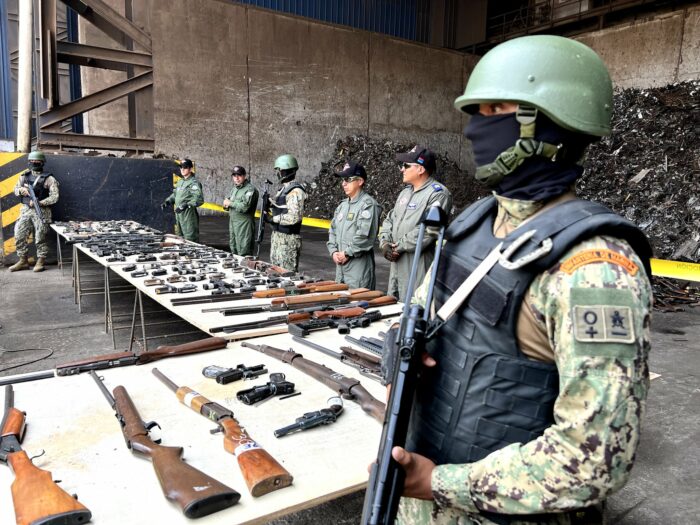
(110, 21)
(97, 99)
(101, 57)
(47, 52)
(77, 140)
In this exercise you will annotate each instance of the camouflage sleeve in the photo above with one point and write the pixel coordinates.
(365, 231)
(20, 182)
(407, 243)
(595, 306)
(53, 192)
(295, 208)
(332, 243)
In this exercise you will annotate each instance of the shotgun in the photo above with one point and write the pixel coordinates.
(262, 472)
(101, 362)
(35, 495)
(347, 387)
(196, 493)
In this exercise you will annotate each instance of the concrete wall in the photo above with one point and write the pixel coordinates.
(239, 85)
(651, 52)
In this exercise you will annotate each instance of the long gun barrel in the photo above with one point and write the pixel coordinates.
(264, 208)
(196, 493)
(346, 386)
(262, 472)
(35, 201)
(35, 495)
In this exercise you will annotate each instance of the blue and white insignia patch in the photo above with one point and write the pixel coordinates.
(411, 206)
(437, 187)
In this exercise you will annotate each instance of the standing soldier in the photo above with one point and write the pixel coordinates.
(241, 205)
(353, 230)
(530, 409)
(30, 220)
(287, 213)
(397, 236)
(187, 197)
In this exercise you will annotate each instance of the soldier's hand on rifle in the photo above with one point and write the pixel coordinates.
(23, 191)
(418, 469)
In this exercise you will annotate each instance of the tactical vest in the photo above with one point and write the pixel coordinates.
(37, 183)
(281, 200)
(484, 393)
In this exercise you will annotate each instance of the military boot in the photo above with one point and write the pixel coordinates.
(31, 260)
(39, 266)
(22, 264)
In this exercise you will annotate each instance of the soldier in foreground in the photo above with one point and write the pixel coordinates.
(30, 220)
(241, 205)
(529, 404)
(354, 229)
(186, 197)
(287, 212)
(397, 236)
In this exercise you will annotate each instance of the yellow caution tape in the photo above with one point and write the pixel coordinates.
(686, 271)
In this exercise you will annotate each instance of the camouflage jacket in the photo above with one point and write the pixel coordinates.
(589, 451)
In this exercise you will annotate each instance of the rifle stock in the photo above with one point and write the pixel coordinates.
(196, 493)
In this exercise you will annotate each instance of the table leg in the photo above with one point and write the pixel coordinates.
(133, 320)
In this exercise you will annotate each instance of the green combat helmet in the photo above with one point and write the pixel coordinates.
(36, 157)
(562, 78)
(286, 167)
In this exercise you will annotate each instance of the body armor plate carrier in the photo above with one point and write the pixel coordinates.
(281, 202)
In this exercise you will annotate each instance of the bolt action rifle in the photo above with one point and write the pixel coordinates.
(196, 493)
(36, 496)
(264, 210)
(262, 472)
(386, 480)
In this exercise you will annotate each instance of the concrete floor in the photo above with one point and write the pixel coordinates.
(37, 316)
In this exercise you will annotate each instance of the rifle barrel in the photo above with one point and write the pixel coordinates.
(167, 382)
(103, 389)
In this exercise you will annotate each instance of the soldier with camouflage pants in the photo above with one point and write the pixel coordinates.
(241, 204)
(529, 409)
(353, 230)
(45, 189)
(287, 212)
(187, 197)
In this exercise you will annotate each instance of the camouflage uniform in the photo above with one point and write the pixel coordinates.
(353, 231)
(588, 452)
(241, 225)
(188, 193)
(401, 226)
(29, 221)
(285, 248)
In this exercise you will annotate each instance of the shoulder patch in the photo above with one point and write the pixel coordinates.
(585, 257)
(437, 187)
(366, 214)
(603, 324)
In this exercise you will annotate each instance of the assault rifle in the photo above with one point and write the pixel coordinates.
(344, 326)
(386, 480)
(264, 210)
(196, 493)
(36, 496)
(101, 362)
(368, 365)
(347, 387)
(35, 201)
(260, 470)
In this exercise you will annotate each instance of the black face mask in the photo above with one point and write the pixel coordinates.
(36, 166)
(538, 178)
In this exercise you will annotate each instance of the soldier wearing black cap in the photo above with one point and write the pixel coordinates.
(188, 195)
(397, 236)
(241, 204)
(353, 230)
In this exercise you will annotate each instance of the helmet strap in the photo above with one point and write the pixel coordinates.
(525, 147)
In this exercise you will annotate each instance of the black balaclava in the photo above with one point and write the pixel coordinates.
(538, 178)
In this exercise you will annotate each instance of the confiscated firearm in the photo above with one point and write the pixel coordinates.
(348, 387)
(264, 211)
(368, 365)
(325, 416)
(281, 306)
(224, 376)
(101, 362)
(36, 496)
(371, 344)
(261, 472)
(196, 493)
(386, 480)
(304, 328)
(276, 386)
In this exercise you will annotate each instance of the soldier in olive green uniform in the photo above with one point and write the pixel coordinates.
(397, 236)
(241, 205)
(530, 409)
(31, 220)
(187, 197)
(287, 213)
(353, 230)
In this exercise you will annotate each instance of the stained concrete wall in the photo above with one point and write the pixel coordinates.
(651, 52)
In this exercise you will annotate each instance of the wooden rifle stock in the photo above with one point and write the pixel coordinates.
(261, 472)
(195, 347)
(196, 493)
(341, 313)
(384, 300)
(35, 495)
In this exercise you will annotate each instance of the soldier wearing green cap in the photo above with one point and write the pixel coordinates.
(30, 220)
(187, 197)
(354, 229)
(530, 399)
(287, 213)
(241, 204)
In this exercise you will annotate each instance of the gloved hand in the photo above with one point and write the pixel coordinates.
(389, 253)
(180, 209)
(163, 205)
